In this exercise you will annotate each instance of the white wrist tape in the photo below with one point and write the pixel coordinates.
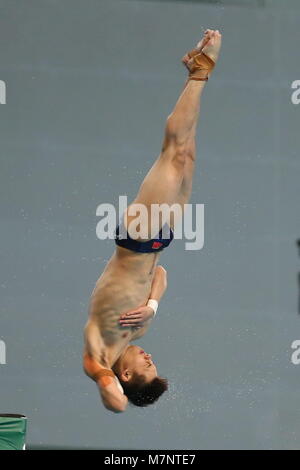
(153, 304)
(119, 385)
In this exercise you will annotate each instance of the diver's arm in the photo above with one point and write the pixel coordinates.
(159, 283)
(96, 366)
(109, 387)
(112, 398)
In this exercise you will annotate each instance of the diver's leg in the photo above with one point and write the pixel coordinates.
(185, 190)
(169, 181)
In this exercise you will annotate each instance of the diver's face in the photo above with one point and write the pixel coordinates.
(140, 362)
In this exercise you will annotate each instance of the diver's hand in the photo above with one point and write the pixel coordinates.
(137, 317)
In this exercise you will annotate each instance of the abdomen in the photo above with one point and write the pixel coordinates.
(112, 296)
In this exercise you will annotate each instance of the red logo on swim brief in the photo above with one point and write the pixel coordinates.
(156, 245)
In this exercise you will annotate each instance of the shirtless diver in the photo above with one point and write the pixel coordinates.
(125, 298)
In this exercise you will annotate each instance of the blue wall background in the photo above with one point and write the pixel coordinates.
(89, 86)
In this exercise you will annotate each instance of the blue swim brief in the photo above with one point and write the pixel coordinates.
(150, 246)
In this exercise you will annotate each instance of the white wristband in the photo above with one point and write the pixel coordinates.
(153, 304)
(119, 385)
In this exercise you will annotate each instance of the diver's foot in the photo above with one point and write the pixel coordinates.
(203, 58)
(198, 48)
(213, 45)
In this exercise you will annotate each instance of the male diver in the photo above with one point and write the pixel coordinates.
(125, 298)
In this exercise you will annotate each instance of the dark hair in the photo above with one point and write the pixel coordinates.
(140, 393)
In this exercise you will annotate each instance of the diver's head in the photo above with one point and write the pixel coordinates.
(138, 376)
